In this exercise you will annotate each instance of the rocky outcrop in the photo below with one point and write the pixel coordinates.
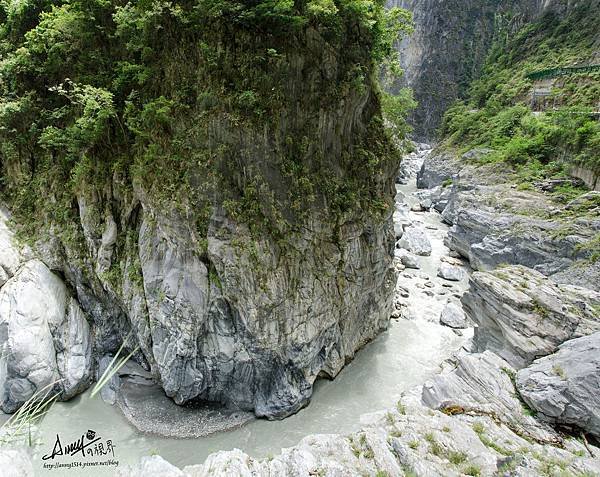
(563, 387)
(254, 252)
(493, 223)
(489, 238)
(437, 168)
(482, 384)
(523, 315)
(44, 337)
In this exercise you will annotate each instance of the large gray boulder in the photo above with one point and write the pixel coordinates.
(453, 316)
(451, 272)
(415, 240)
(409, 260)
(523, 315)
(44, 338)
(564, 387)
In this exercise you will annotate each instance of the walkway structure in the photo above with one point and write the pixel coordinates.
(568, 70)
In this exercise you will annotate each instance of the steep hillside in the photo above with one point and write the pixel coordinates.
(450, 45)
(529, 114)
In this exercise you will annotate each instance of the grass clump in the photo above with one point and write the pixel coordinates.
(472, 470)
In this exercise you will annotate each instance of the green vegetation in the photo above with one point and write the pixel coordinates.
(473, 470)
(18, 428)
(497, 113)
(197, 103)
(559, 371)
(486, 441)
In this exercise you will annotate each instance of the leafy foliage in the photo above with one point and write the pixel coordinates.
(498, 114)
(174, 96)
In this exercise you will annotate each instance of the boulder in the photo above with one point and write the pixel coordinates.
(409, 260)
(415, 240)
(564, 387)
(482, 384)
(45, 337)
(523, 315)
(453, 316)
(451, 272)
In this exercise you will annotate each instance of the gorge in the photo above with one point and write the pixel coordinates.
(218, 205)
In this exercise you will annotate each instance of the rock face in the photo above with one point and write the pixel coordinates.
(10, 255)
(239, 285)
(481, 384)
(563, 387)
(44, 336)
(495, 224)
(523, 315)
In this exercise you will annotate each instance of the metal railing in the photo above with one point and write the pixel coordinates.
(567, 70)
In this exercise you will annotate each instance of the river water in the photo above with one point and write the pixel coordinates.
(408, 354)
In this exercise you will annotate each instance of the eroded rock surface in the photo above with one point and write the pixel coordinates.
(523, 315)
(563, 387)
(45, 337)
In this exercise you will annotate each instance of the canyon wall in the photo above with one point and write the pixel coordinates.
(450, 44)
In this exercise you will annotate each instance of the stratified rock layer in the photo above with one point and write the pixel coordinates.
(563, 387)
(523, 315)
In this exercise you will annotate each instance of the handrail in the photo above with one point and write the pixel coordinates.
(567, 70)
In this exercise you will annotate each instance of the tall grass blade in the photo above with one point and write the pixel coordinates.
(113, 367)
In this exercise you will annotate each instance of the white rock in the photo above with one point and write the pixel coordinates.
(10, 256)
(151, 466)
(453, 316)
(46, 337)
(453, 273)
(15, 463)
(415, 240)
(564, 387)
(409, 260)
